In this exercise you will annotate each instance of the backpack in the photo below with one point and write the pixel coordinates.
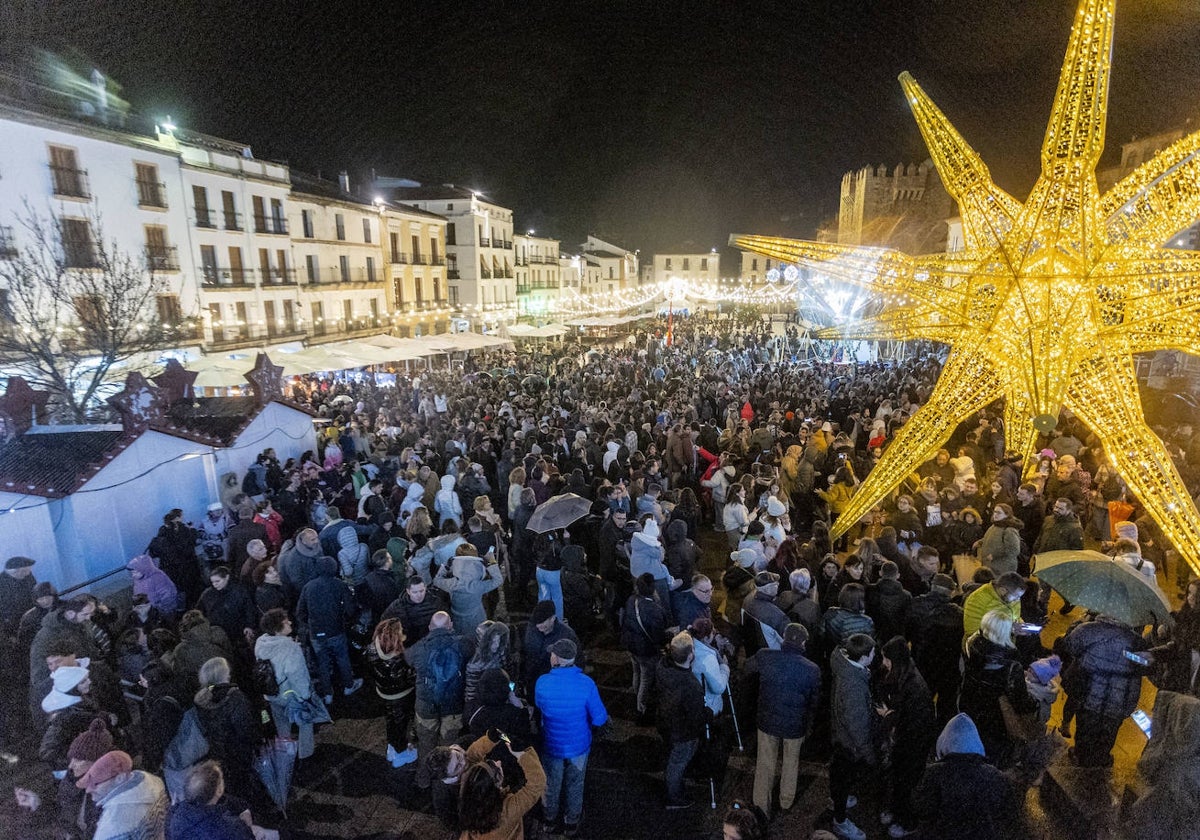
(250, 484)
(445, 677)
(265, 681)
(188, 747)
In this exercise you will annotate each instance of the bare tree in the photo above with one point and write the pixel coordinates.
(76, 306)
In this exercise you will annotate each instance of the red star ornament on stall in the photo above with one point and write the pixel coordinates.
(266, 379)
(139, 405)
(176, 382)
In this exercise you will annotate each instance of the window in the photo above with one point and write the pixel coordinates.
(394, 243)
(277, 216)
(344, 265)
(418, 288)
(318, 316)
(90, 311)
(243, 318)
(686, 264)
(398, 290)
(264, 264)
(416, 250)
(159, 255)
(208, 264)
(451, 237)
(306, 222)
(610, 275)
(260, 214)
(348, 310)
(281, 266)
(375, 310)
(151, 192)
(200, 202)
(366, 230)
(237, 273)
(704, 265)
(668, 266)
(79, 251)
(313, 268)
(437, 289)
(449, 206)
(214, 317)
(69, 180)
(370, 269)
(768, 265)
(269, 317)
(340, 221)
(289, 316)
(754, 265)
(229, 208)
(453, 291)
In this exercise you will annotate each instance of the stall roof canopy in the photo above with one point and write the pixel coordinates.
(530, 331)
(56, 465)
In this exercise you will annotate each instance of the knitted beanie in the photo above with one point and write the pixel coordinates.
(90, 745)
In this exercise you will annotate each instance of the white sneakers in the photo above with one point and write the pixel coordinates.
(400, 759)
(358, 683)
(897, 831)
(848, 830)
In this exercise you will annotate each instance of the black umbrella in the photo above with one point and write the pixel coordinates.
(558, 512)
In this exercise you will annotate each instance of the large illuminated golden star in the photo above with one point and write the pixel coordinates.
(1050, 299)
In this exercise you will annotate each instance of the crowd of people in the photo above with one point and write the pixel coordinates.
(413, 557)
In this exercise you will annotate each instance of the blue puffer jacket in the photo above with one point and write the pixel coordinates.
(789, 690)
(570, 705)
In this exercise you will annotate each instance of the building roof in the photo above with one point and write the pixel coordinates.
(605, 255)
(216, 420)
(56, 464)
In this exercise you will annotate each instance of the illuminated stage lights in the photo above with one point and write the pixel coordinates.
(1050, 299)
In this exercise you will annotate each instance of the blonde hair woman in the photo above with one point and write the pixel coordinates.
(993, 675)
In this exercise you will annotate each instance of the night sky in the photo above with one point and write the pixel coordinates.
(662, 125)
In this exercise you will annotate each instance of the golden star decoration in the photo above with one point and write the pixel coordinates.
(1049, 299)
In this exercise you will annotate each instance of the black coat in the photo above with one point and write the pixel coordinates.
(992, 671)
(414, 618)
(962, 796)
(887, 604)
(232, 609)
(650, 640)
(934, 628)
(681, 710)
(230, 724)
(913, 718)
(789, 688)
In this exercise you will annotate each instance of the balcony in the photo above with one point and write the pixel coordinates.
(507, 244)
(506, 274)
(452, 273)
(162, 258)
(399, 258)
(420, 259)
(485, 274)
(8, 245)
(152, 194)
(80, 255)
(523, 288)
(274, 225)
(233, 220)
(522, 261)
(485, 242)
(205, 218)
(227, 279)
(233, 336)
(334, 276)
(70, 182)
(436, 260)
(280, 277)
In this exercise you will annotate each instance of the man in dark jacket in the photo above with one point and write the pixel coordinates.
(1109, 684)
(693, 602)
(1061, 531)
(415, 607)
(241, 535)
(325, 610)
(440, 662)
(16, 593)
(298, 563)
(227, 604)
(934, 626)
(543, 630)
(853, 723)
(789, 688)
(379, 588)
(765, 617)
(888, 602)
(682, 714)
(914, 728)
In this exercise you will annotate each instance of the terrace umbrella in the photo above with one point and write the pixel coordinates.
(1098, 582)
(558, 512)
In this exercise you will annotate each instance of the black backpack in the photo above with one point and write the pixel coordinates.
(264, 678)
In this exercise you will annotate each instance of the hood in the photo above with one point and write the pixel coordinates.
(57, 700)
(467, 568)
(493, 687)
(309, 551)
(492, 634)
(143, 563)
(844, 669)
(573, 558)
(647, 540)
(327, 566)
(447, 482)
(676, 531)
(267, 646)
(960, 736)
(347, 537)
(414, 492)
(613, 446)
(212, 696)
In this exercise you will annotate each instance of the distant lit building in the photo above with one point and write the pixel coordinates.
(538, 274)
(905, 208)
(479, 247)
(755, 267)
(697, 268)
(1134, 154)
(607, 268)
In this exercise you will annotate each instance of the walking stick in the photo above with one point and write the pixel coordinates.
(737, 730)
(712, 787)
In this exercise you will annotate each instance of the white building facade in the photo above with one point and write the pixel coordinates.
(755, 267)
(538, 275)
(607, 268)
(696, 268)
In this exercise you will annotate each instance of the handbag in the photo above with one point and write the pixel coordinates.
(1025, 728)
(310, 710)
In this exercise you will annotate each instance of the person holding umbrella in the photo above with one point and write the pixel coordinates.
(1101, 656)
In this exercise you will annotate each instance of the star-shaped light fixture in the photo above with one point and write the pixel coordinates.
(1050, 299)
(139, 405)
(266, 379)
(176, 382)
(22, 405)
